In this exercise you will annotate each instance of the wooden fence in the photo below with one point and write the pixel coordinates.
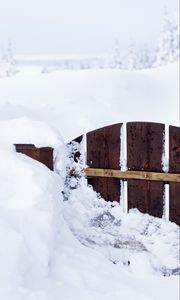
(145, 176)
(44, 154)
(146, 179)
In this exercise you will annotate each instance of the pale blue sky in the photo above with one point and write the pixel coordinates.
(80, 26)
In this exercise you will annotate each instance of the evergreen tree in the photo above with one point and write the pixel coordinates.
(117, 63)
(168, 49)
(176, 36)
(8, 63)
(145, 59)
(132, 61)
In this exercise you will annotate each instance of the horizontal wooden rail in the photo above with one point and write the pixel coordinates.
(142, 175)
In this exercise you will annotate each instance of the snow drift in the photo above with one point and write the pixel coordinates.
(83, 248)
(75, 102)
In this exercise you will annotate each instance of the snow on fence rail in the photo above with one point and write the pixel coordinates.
(145, 175)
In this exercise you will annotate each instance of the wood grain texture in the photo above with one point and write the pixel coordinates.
(103, 151)
(43, 155)
(140, 175)
(144, 153)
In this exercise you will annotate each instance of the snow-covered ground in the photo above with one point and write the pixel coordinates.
(83, 248)
(78, 101)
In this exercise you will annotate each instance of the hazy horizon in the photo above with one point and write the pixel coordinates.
(80, 28)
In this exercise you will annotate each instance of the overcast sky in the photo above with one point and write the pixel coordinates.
(80, 26)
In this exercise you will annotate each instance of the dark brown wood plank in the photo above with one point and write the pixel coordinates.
(174, 166)
(103, 151)
(144, 153)
(46, 157)
(43, 155)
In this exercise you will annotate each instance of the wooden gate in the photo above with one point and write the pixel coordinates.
(145, 176)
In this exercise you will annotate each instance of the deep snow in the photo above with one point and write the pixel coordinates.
(81, 248)
(41, 259)
(78, 101)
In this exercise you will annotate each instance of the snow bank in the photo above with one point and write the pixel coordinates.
(29, 194)
(78, 101)
(26, 131)
(40, 259)
(120, 237)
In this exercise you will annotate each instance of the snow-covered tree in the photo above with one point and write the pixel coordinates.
(132, 60)
(144, 58)
(117, 63)
(168, 49)
(8, 63)
(176, 36)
